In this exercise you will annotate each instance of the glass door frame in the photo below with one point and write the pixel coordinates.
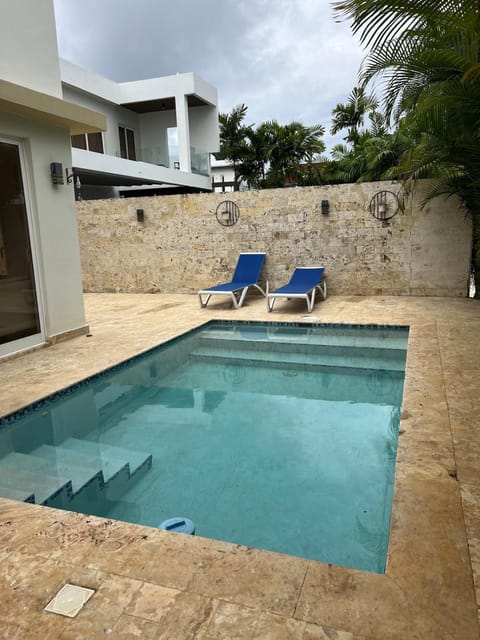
(38, 338)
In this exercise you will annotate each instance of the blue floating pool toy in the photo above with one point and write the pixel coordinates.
(179, 525)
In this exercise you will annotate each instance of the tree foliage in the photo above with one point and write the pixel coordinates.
(425, 57)
(270, 155)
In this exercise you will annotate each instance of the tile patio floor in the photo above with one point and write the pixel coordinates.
(154, 584)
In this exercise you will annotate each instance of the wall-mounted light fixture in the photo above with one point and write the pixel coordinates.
(56, 172)
(176, 165)
(325, 207)
(140, 215)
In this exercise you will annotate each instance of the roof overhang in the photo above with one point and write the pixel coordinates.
(47, 109)
(162, 104)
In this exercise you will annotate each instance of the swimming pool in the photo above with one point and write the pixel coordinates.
(278, 436)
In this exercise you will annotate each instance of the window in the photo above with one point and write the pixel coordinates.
(80, 141)
(90, 142)
(127, 143)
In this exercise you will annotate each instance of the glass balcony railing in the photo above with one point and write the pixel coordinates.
(200, 160)
(154, 155)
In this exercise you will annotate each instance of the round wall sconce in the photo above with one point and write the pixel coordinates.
(227, 213)
(384, 205)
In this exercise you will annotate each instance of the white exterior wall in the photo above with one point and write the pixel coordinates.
(115, 115)
(54, 222)
(223, 168)
(28, 45)
(204, 128)
(153, 127)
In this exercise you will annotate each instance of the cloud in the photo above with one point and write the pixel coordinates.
(287, 60)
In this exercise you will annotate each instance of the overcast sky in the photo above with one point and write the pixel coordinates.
(285, 59)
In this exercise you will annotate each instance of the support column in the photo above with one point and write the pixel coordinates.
(183, 133)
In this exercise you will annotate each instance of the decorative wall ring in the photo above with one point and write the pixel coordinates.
(227, 213)
(384, 205)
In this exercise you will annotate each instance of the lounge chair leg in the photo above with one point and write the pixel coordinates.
(323, 289)
(241, 299)
(311, 302)
(264, 293)
(203, 304)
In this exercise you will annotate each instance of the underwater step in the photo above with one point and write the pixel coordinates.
(374, 359)
(67, 453)
(364, 337)
(43, 463)
(17, 494)
(136, 459)
(45, 487)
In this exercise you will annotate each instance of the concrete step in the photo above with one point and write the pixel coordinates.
(47, 489)
(17, 494)
(360, 337)
(44, 461)
(67, 455)
(375, 359)
(92, 446)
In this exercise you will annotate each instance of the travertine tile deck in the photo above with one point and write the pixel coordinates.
(154, 584)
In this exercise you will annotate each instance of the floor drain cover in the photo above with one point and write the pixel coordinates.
(69, 600)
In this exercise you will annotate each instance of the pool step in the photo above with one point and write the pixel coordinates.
(320, 357)
(44, 461)
(108, 453)
(363, 337)
(47, 489)
(58, 475)
(17, 494)
(65, 455)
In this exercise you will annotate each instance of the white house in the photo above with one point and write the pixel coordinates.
(40, 276)
(159, 132)
(223, 175)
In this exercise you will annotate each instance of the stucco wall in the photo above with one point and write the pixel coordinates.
(181, 247)
(54, 224)
(28, 45)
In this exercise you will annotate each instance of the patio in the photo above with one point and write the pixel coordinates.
(153, 584)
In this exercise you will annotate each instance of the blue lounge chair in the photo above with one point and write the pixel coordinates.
(303, 284)
(245, 276)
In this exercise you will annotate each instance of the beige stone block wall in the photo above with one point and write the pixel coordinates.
(181, 247)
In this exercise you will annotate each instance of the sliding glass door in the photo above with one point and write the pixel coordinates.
(20, 310)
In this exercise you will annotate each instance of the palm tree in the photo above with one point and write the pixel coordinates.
(351, 115)
(255, 153)
(232, 136)
(270, 154)
(427, 57)
(291, 145)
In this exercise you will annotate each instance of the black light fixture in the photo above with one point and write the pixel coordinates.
(56, 172)
(140, 215)
(325, 207)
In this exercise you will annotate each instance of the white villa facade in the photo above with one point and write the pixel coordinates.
(159, 132)
(40, 275)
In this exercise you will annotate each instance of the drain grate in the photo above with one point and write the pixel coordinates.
(69, 600)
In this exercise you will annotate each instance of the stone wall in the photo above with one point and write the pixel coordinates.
(181, 247)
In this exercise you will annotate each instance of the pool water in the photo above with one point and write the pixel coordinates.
(281, 437)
